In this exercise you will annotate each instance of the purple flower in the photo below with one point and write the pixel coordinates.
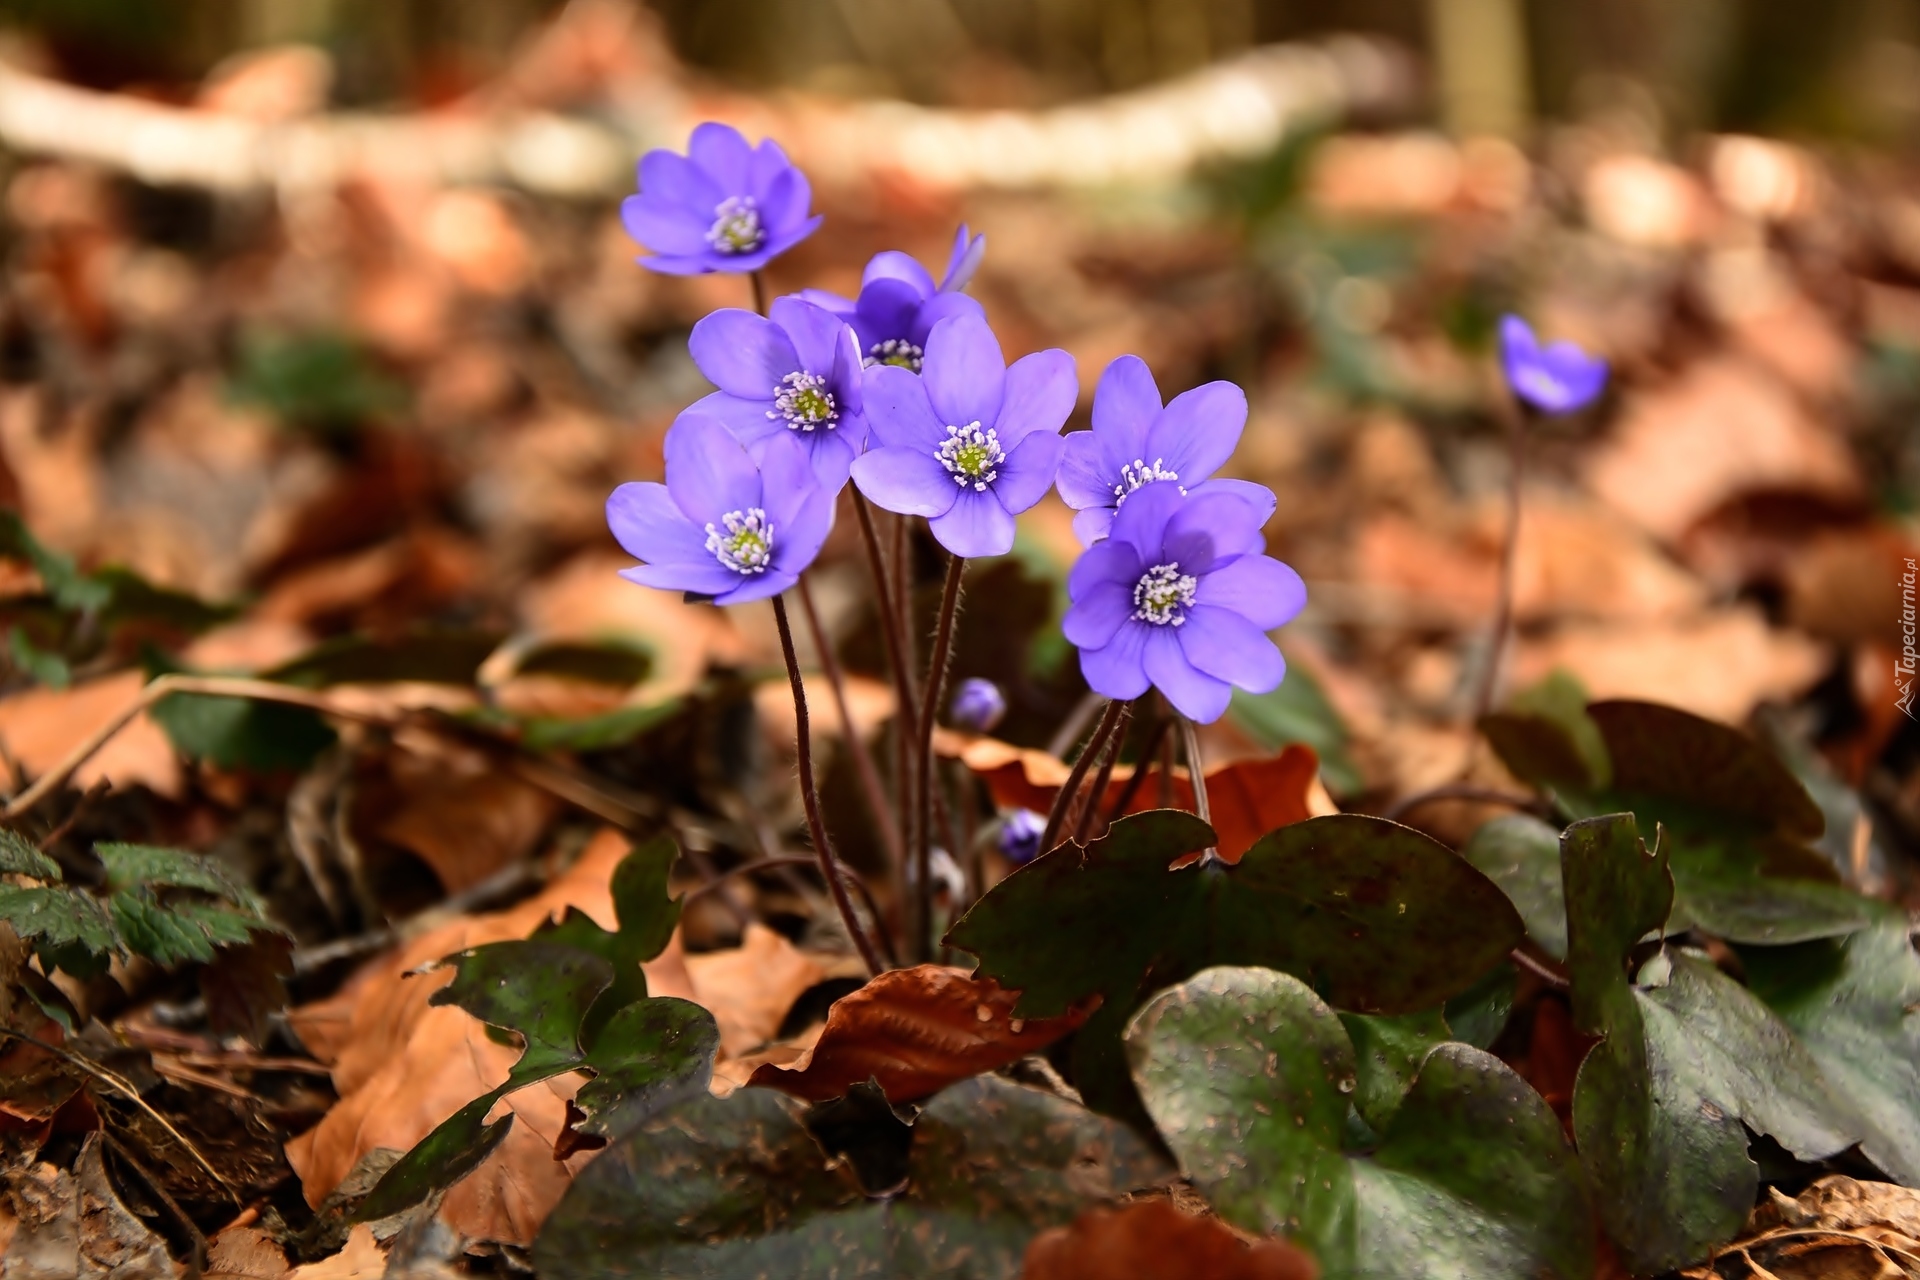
(969, 443)
(899, 303)
(977, 705)
(795, 375)
(1179, 596)
(1136, 442)
(720, 527)
(1555, 379)
(1020, 832)
(724, 206)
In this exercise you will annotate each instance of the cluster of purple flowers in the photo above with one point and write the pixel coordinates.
(905, 391)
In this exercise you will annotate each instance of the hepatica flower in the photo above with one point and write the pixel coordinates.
(722, 527)
(1020, 832)
(794, 375)
(724, 206)
(1179, 596)
(1136, 442)
(977, 705)
(970, 443)
(1557, 378)
(899, 303)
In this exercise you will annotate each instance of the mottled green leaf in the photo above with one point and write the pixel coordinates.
(67, 927)
(645, 918)
(1479, 1014)
(1381, 918)
(735, 1189)
(1658, 1105)
(19, 857)
(457, 1146)
(1250, 1078)
(1387, 1053)
(1855, 1004)
(1521, 854)
(1546, 737)
(649, 1056)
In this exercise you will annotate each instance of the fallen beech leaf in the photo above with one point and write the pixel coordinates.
(749, 988)
(1249, 797)
(870, 701)
(362, 1259)
(41, 726)
(1152, 1240)
(917, 1031)
(463, 817)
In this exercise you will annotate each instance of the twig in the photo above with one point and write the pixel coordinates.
(1197, 774)
(1459, 791)
(810, 799)
(1083, 821)
(923, 764)
(119, 1084)
(759, 279)
(1061, 802)
(1551, 977)
(87, 797)
(870, 785)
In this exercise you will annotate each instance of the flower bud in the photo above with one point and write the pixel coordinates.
(1020, 832)
(977, 705)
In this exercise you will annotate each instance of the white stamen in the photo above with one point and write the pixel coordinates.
(897, 351)
(1163, 594)
(971, 456)
(747, 545)
(803, 400)
(1138, 475)
(736, 226)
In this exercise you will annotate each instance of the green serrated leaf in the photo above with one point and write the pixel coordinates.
(1250, 1076)
(130, 866)
(1380, 917)
(67, 927)
(735, 1189)
(171, 934)
(1521, 854)
(1658, 1105)
(43, 666)
(69, 588)
(19, 857)
(1855, 1004)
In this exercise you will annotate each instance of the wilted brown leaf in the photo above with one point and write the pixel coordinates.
(244, 1253)
(917, 1031)
(1838, 1229)
(40, 726)
(1153, 1240)
(463, 817)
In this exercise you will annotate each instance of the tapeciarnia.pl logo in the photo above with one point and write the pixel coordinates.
(1904, 666)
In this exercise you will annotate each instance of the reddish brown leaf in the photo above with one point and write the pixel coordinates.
(916, 1031)
(1152, 1240)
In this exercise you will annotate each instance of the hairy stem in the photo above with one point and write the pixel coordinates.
(1057, 817)
(810, 798)
(870, 785)
(923, 765)
(1085, 812)
(1197, 774)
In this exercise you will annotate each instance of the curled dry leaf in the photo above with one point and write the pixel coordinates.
(1249, 797)
(1838, 1227)
(917, 1031)
(402, 1066)
(1153, 1240)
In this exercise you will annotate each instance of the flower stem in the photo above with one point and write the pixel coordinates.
(1083, 820)
(810, 798)
(759, 279)
(1057, 816)
(923, 772)
(870, 786)
(1142, 766)
(1197, 774)
(1509, 546)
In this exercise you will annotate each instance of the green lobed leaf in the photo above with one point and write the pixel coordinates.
(736, 1188)
(1521, 854)
(645, 919)
(457, 1146)
(651, 1055)
(19, 857)
(1855, 1004)
(1387, 1056)
(1380, 917)
(67, 927)
(1251, 1077)
(1659, 1103)
(243, 733)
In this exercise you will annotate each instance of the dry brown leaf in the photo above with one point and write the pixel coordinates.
(41, 726)
(870, 702)
(463, 817)
(1249, 797)
(1721, 665)
(917, 1031)
(1837, 1229)
(245, 1253)
(1722, 429)
(1846, 586)
(749, 988)
(1153, 1240)
(361, 1259)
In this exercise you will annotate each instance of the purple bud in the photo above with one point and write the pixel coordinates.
(977, 705)
(1553, 379)
(1020, 832)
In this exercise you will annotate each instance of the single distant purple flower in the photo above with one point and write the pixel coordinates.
(1136, 442)
(899, 303)
(721, 527)
(724, 206)
(1554, 379)
(1020, 832)
(969, 443)
(795, 374)
(977, 705)
(1179, 596)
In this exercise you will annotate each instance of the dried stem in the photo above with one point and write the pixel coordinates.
(923, 764)
(1057, 817)
(870, 784)
(1509, 547)
(810, 799)
(1084, 813)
